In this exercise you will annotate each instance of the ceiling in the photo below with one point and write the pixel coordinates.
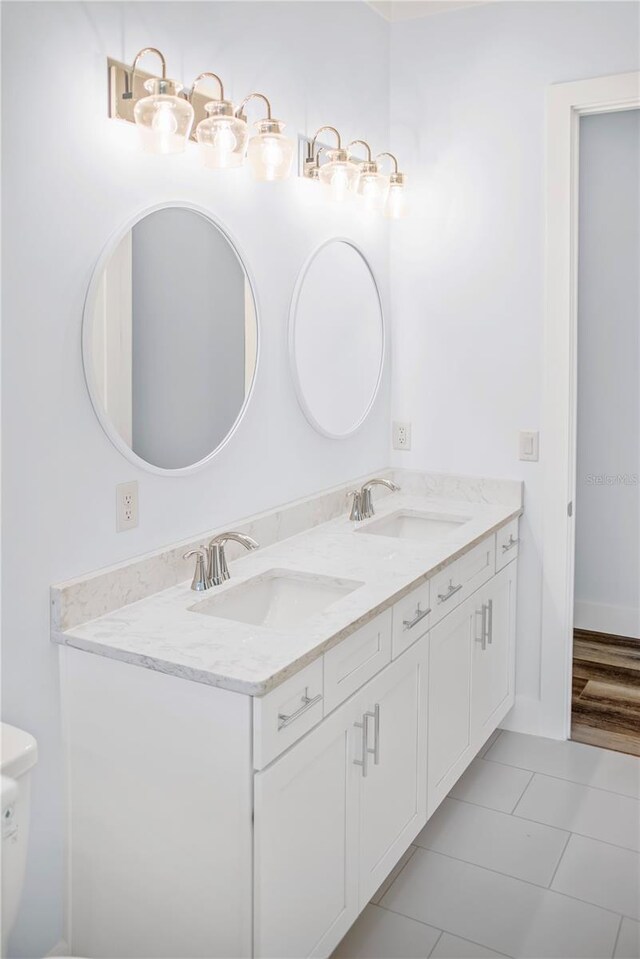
(394, 10)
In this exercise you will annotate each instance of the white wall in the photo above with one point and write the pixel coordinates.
(468, 112)
(607, 587)
(70, 178)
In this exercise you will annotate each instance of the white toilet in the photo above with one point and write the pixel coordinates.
(18, 754)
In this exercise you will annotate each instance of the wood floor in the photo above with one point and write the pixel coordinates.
(606, 691)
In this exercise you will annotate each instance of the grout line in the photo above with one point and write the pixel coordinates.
(505, 812)
(564, 849)
(404, 866)
(615, 945)
(440, 935)
(564, 779)
(518, 800)
(535, 885)
(574, 832)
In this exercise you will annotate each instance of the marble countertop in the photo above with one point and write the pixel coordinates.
(162, 631)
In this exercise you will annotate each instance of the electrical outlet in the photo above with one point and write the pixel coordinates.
(402, 436)
(126, 506)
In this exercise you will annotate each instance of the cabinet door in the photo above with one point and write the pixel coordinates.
(493, 649)
(305, 835)
(393, 805)
(449, 702)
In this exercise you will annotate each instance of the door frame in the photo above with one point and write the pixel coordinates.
(566, 103)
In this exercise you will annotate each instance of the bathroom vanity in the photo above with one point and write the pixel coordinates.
(247, 764)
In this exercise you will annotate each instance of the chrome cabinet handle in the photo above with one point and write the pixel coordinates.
(307, 703)
(443, 597)
(365, 750)
(490, 622)
(510, 544)
(420, 614)
(482, 639)
(375, 715)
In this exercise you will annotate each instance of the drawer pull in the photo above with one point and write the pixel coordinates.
(375, 715)
(443, 597)
(490, 622)
(420, 614)
(365, 748)
(482, 639)
(307, 703)
(512, 542)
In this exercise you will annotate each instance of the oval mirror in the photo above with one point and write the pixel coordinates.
(170, 339)
(336, 338)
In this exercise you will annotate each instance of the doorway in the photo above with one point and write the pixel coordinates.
(606, 634)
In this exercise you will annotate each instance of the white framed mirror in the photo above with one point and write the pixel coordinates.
(336, 338)
(170, 339)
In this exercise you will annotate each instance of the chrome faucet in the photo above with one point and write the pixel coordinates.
(218, 571)
(200, 580)
(362, 506)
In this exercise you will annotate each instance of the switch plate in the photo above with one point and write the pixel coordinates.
(126, 506)
(528, 445)
(402, 436)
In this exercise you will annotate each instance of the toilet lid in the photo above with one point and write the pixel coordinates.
(18, 751)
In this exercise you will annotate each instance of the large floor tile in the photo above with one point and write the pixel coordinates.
(568, 760)
(491, 784)
(397, 869)
(501, 913)
(494, 840)
(602, 874)
(628, 945)
(581, 809)
(380, 934)
(453, 947)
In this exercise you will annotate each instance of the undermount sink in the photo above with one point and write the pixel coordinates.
(413, 525)
(277, 599)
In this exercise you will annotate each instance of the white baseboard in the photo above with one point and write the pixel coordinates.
(618, 620)
(61, 949)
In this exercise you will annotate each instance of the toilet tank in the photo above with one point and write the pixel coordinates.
(18, 753)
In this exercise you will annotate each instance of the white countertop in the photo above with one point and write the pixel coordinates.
(161, 632)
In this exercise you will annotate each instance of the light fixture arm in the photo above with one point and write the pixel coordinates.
(206, 76)
(391, 157)
(364, 144)
(254, 96)
(312, 143)
(130, 77)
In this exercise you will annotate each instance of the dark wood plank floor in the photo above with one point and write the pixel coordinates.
(606, 691)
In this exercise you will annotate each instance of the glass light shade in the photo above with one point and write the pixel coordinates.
(396, 203)
(371, 187)
(270, 152)
(222, 136)
(164, 119)
(339, 174)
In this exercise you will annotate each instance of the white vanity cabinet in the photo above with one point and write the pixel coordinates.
(207, 823)
(335, 813)
(471, 679)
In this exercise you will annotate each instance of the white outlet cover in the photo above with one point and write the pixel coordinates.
(401, 436)
(126, 506)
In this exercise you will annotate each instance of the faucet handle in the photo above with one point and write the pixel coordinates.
(200, 580)
(356, 507)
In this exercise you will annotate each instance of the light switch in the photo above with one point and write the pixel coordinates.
(528, 446)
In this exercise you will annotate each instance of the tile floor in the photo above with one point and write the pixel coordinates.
(534, 855)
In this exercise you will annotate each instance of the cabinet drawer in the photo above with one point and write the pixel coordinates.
(287, 713)
(356, 659)
(507, 544)
(411, 619)
(455, 582)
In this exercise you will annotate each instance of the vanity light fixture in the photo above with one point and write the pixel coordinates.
(163, 118)
(371, 185)
(222, 136)
(338, 172)
(269, 152)
(396, 202)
